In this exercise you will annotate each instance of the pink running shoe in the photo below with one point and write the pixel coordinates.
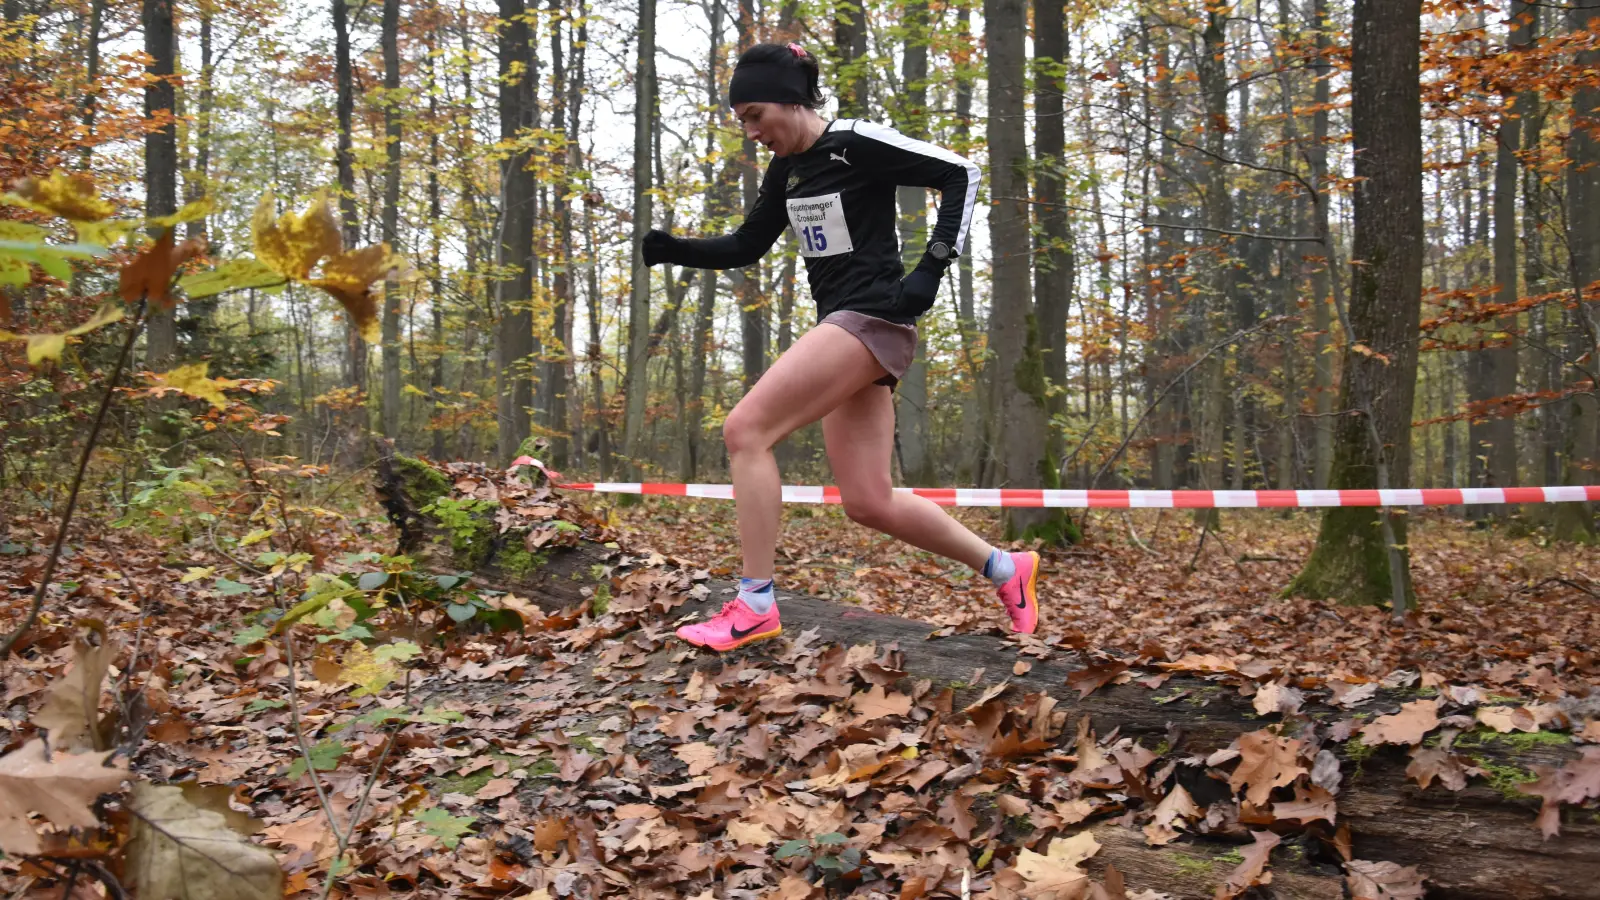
(1021, 593)
(733, 627)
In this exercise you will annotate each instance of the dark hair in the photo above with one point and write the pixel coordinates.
(788, 56)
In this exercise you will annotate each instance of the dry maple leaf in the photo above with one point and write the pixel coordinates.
(876, 704)
(62, 789)
(180, 850)
(149, 275)
(1058, 873)
(699, 756)
(1408, 726)
(1253, 870)
(1266, 761)
(1383, 881)
(295, 243)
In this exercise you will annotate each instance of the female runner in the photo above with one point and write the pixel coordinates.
(834, 182)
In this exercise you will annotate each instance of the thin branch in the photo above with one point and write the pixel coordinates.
(77, 483)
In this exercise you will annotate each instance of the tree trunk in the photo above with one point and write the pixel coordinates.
(753, 313)
(1018, 363)
(1493, 440)
(1575, 521)
(644, 106)
(911, 406)
(1378, 381)
(558, 357)
(514, 246)
(973, 454)
(160, 166)
(1053, 262)
(849, 46)
(1321, 289)
(389, 410)
(355, 349)
(91, 81)
(1218, 215)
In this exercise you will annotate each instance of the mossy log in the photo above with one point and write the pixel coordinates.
(1480, 843)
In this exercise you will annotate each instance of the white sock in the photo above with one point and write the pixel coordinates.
(757, 594)
(1000, 568)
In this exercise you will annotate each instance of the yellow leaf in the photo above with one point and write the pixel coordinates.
(106, 232)
(190, 212)
(367, 672)
(45, 346)
(256, 537)
(70, 195)
(195, 573)
(105, 315)
(349, 278)
(192, 380)
(294, 243)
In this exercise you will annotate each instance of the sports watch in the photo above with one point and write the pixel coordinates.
(941, 251)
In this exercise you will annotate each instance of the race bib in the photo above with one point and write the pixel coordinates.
(819, 224)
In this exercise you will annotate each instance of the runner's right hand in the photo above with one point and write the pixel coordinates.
(656, 247)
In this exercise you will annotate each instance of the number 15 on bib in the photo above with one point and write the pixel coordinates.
(819, 224)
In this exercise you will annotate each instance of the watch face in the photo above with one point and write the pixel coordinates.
(940, 251)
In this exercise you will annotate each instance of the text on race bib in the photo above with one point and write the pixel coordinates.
(819, 224)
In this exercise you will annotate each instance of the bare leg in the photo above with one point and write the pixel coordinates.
(860, 436)
(823, 369)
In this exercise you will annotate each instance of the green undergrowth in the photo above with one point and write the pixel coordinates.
(539, 767)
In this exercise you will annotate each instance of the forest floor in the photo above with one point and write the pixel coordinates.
(594, 755)
(1490, 606)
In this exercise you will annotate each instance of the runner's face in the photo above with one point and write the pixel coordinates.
(776, 126)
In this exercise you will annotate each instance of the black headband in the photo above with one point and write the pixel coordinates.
(765, 82)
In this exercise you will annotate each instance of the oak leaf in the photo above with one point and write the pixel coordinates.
(1252, 871)
(1266, 761)
(1091, 678)
(71, 712)
(61, 788)
(1383, 881)
(876, 704)
(1408, 726)
(1307, 806)
(1428, 763)
(699, 756)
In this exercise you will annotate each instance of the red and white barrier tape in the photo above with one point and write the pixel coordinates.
(1023, 497)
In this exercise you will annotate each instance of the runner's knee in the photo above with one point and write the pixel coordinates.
(743, 432)
(873, 510)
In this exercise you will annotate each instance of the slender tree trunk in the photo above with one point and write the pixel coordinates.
(715, 207)
(558, 358)
(973, 455)
(91, 80)
(389, 411)
(1053, 262)
(1013, 324)
(913, 432)
(849, 48)
(355, 355)
(514, 244)
(644, 100)
(1372, 446)
(753, 317)
(1218, 214)
(160, 161)
(1321, 289)
(1576, 521)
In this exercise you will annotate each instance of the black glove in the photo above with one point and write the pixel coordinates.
(920, 289)
(657, 247)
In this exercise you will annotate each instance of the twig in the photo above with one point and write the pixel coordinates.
(77, 484)
(1205, 529)
(300, 736)
(1135, 535)
(361, 808)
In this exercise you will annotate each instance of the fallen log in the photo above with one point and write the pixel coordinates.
(1476, 843)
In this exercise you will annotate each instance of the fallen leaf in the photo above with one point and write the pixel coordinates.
(1383, 881)
(177, 849)
(700, 757)
(1408, 726)
(1591, 732)
(1506, 719)
(750, 834)
(495, 788)
(71, 711)
(1058, 872)
(1253, 870)
(1307, 806)
(1277, 697)
(549, 834)
(876, 704)
(1266, 761)
(62, 789)
(1091, 678)
(1428, 763)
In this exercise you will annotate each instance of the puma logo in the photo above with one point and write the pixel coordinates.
(840, 157)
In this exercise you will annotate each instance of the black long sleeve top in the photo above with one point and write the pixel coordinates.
(839, 197)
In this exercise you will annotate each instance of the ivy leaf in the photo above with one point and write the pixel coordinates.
(371, 581)
(791, 849)
(461, 612)
(447, 828)
(227, 587)
(252, 635)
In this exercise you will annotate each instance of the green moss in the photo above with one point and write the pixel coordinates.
(1232, 858)
(470, 525)
(1191, 866)
(1507, 780)
(515, 560)
(1520, 741)
(1350, 563)
(600, 603)
(426, 483)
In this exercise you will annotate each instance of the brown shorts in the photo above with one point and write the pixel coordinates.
(894, 346)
